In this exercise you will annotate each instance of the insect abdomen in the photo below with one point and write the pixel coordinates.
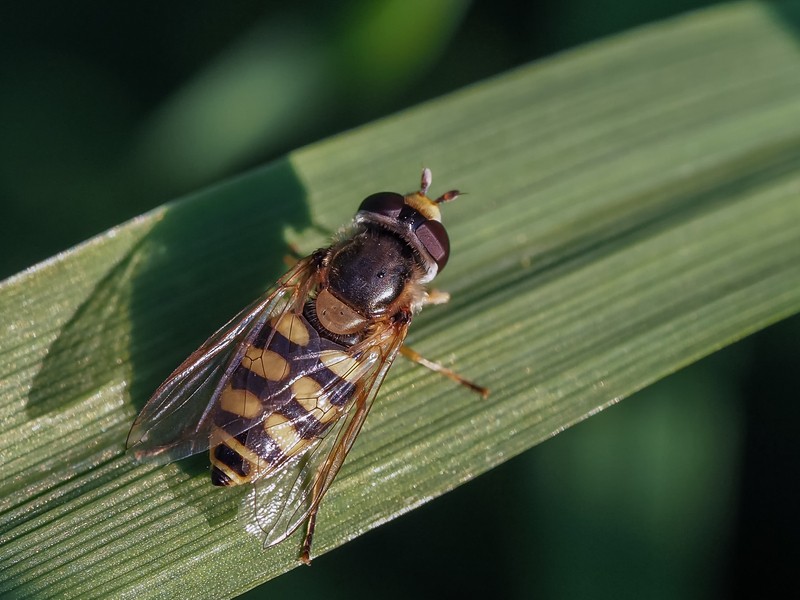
(279, 401)
(228, 465)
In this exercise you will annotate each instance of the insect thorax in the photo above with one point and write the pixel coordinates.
(366, 276)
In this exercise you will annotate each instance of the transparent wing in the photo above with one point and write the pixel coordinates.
(176, 422)
(285, 496)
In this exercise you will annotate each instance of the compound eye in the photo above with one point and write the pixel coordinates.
(388, 204)
(434, 238)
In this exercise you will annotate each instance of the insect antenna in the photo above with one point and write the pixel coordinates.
(425, 184)
(427, 178)
(448, 196)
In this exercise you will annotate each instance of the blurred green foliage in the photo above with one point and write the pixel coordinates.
(687, 490)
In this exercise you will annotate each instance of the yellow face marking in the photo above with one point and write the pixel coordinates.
(292, 328)
(266, 363)
(240, 402)
(424, 206)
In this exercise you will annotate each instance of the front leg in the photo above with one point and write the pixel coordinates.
(435, 297)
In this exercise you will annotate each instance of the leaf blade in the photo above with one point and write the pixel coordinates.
(630, 209)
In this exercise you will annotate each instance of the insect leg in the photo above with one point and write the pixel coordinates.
(305, 553)
(434, 366)
(293, 256)
(311, 522)
(436, 297)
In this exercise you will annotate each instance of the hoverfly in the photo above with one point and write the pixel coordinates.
(279, 394)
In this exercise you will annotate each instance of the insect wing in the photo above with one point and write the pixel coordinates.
(176, 422)
(285, 497)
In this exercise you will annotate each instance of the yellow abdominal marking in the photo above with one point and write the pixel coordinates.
(240, 402)
(284, 434)
(309, 394)
(306, 391)
(220, 436)
(292, 328)
(266, 363)
(344, 365)
(234, 477)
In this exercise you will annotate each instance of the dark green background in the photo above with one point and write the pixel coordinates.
(687, 490)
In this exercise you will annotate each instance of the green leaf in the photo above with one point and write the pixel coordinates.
(632, 206)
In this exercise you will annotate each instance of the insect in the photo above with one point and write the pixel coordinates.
(278, 395)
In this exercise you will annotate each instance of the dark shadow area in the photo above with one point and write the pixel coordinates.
(197, 276)
(86, 354)
(186, 278)
(788, 15)
(767, 526)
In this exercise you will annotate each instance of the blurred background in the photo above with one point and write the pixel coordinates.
(687, 490)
